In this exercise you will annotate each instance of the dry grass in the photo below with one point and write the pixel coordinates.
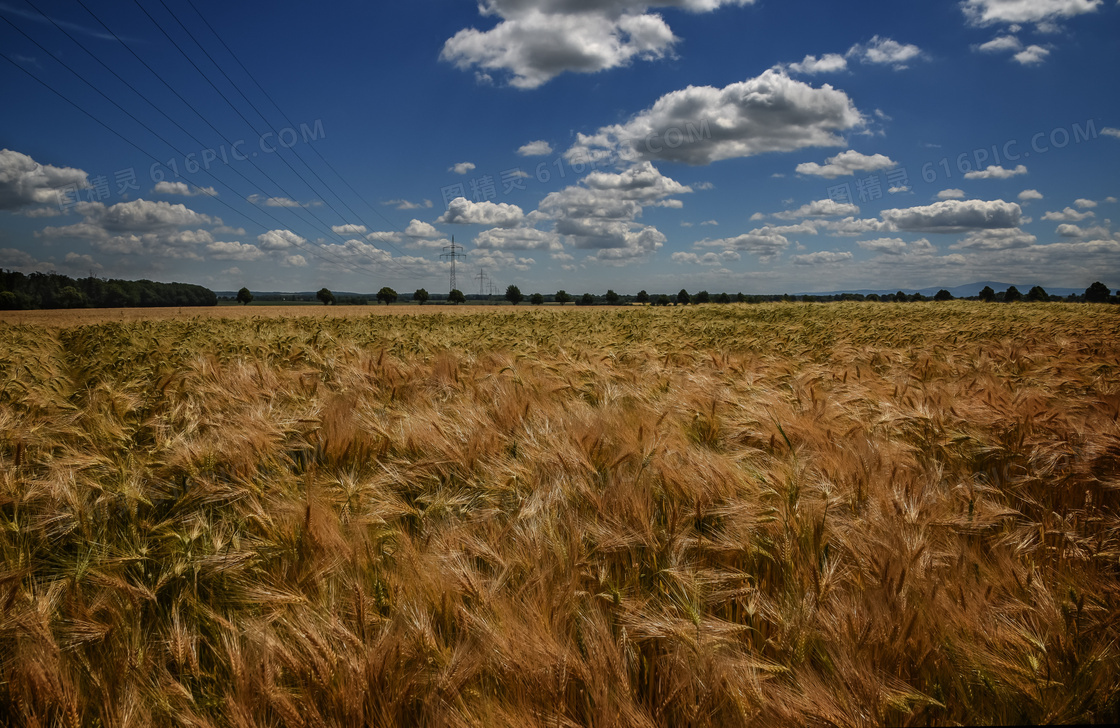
(848, 515)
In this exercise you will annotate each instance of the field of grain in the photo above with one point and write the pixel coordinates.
(772, 515)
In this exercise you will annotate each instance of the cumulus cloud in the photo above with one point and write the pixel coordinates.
(988, 12)
(897, 246)
(885, 51)
(828, 63)
(1067, 215)
(765, 243)
(996, 172)
(279, 241)
(279, 201)
(421, 229)
(821, 257)
(462, 211)
(1111, 131)
(519, 239)
(955, 216)
(24, 182)
(1083, 203)
(461, 167)
(853, 226)
(703, 124)
(234, 251)
(408, 205)
(1026, 195)
(1032, 55)
(138, 227)
(953, 194)
(537, 40)
(999, 239)
(182, 189)
(492, 259)
(348, 229)
(538, 148)
(727, 256)
(1069, 230)
(1001, 44)
(846, 163)
(819, 208)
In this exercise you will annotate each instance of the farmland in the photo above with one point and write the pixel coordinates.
(772, 515)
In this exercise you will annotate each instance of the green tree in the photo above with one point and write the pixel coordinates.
(325, 296)
(562, 297)
(8, 301)
(1097, 293)
(663, 300)
(456, 296)
(642, 297)
(536, 299)
(740, 298)
(513, 295)
(1036, 294)
(702, 297)
(723, 298)
(683, 298)
(244, 296)
(943, 295)
(387, 295)
(586, 300)
(987, 294)
(421, 296)
(612, 298)
(1011, 295)
(71, 297)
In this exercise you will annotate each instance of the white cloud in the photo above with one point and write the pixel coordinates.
(884, 51)
(538, 148)
(461, 167)
(519, 239)
(1069, 230)
(846, 163)
(462, 211)
(955, 216)
(491, 260)
(987, 12)
(819, 208)
(702, 124)
(421, 229)
(853, 226)
(1083, 203)
(1000, 44)
(407, 205)
(1067, 215)
(234, 251)
(344, 257)
(25, 182)
(999, 239)
(280, 201)
(1111, 131)
(952, 194)
(139, 227)
(764, 242)
(348, 229)
(828, 63)
(275, 241)
(996, 172)
(537, 40)
(1032, 55)
(897, 246)
(1026, 195)
(821, 257)
(182, 189)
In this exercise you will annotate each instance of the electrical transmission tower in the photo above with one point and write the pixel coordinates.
(481, 278)
(452, 252)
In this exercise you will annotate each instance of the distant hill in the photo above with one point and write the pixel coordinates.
(968, 289)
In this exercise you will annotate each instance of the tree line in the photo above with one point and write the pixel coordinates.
(53, 290)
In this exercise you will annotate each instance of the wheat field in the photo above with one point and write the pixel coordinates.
(771, 515)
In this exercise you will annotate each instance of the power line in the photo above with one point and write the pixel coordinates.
(451, 252)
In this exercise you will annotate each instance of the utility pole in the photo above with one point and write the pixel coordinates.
(481, 278)
(452, 252)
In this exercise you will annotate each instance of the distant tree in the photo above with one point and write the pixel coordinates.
(562, 297)
(683, 298)
(325, 296)
(900, 297)
(71, 297)
(244, 296)
(8, 301)
(611, 297)
(1011, 295)
(420, 296)
(663, 300)
(943, 295)
(723, 298)
(536, 299)
(740, 298)
(873, 297)
(456, 296)
(586, 300)
(513, 295)
(987, 294)
(1038, 293)
(702, 297)
(387, 295)
(1096, 293)
(642, 297)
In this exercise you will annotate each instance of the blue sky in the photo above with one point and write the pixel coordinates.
(738, 145)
